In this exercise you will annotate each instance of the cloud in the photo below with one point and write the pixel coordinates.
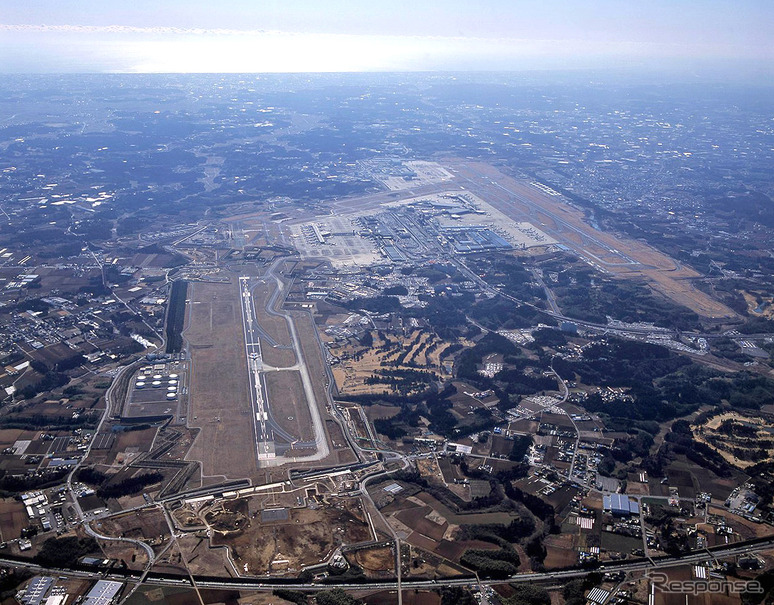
(124, 29)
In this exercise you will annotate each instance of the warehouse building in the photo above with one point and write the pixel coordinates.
(620, 505)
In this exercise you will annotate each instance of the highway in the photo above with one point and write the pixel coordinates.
(268, 583)
(139, 543)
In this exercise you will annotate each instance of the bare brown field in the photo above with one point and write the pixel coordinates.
(10, 436)
(421, 541)
(336, 435)
(683, 574)
(401, 503)
(201, 558)
(454, 550)
(129, 444)
(719, 487)
(288, 404)
(277, 357)
(418, 518)
(450, 471)
(38, 446)
(53, 354)
(343, 456)
(429, 467)
(521, 201)
(219, 398)
(561, 498)
(376, 562)
(183, 444)
(635, 488)
(381, 411)
(135, 557)
(143, 524)
(139, 439)
(13, 519)
(501, 445)
(561, 550)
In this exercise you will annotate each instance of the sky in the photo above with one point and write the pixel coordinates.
(163, 36)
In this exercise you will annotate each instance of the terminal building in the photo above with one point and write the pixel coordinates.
(475, 238)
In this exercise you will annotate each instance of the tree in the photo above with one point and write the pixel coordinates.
(61, 552)
(528, 594)
(336, 596)
(455, 595)
(521, 445)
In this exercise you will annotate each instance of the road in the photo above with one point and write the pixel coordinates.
(321, 441)
(173, 541)
(268, 584)
(395, 536)
(565, 395)
(139, 543)
(632, 566)
(109, 396)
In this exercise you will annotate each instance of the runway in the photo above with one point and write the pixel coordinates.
(264, 438)
(272, 441)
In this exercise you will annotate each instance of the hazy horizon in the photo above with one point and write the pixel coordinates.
(709, 38)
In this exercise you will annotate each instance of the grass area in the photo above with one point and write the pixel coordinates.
(389, 363)
(617, 543)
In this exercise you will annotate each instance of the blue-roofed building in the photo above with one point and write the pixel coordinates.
(36, 590)
(620, 505)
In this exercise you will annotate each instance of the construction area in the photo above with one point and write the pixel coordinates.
(275, 531)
